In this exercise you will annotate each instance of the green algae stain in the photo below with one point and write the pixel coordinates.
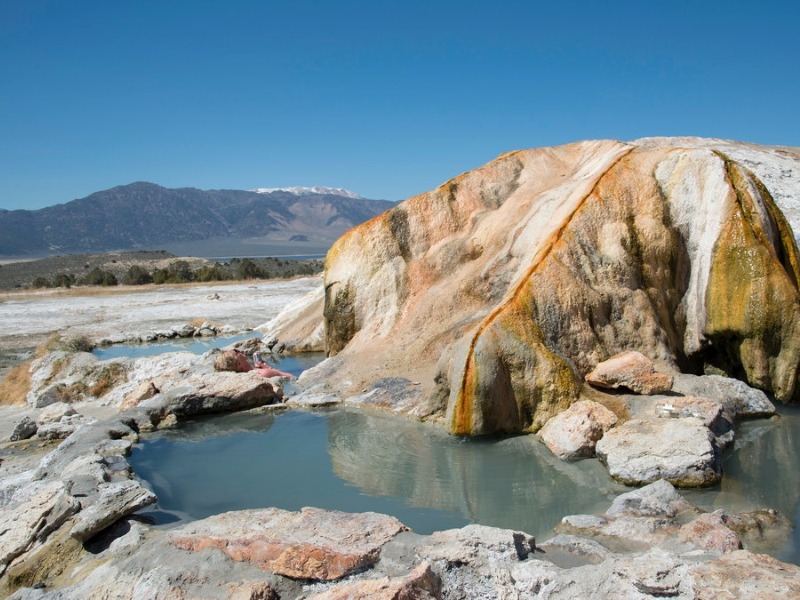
(752, 299)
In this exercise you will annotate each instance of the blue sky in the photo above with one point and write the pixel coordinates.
(388, 99)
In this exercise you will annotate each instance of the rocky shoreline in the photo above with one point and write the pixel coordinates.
(70, 529)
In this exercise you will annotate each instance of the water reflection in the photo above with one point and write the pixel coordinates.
(762, 472)
(512, 482)
(357, 461)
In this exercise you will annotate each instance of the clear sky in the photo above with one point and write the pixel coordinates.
(386, 98)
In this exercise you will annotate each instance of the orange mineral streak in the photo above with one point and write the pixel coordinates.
(465, 404)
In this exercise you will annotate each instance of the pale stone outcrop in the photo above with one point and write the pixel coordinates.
(299, 324)
(500, 290)
(34, 513)
(573, 433)
(54, 413)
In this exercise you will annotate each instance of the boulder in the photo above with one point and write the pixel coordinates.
(310, 544)
(501, 289)
(232, 360)
(710, 531)
(573, 433)
(247, 346)
(630, 370)
(711, 413)
(55, 370)
(682, 451)
(739, 399)
(24, 429)
(586, 548)
(210, 393)
(299, 324)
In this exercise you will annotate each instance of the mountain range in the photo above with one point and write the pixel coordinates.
(147, 216)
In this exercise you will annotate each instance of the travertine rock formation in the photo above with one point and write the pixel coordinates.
(487, 300)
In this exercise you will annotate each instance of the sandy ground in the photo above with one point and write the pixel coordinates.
(29, 318)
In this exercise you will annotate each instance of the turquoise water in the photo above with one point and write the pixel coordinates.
(294, 364)
(355, 460)
(197, 345)
(363, 461)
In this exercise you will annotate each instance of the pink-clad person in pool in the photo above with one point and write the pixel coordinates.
(266, 370)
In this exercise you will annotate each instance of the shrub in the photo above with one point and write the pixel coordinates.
(98, 276)
(78, 343)
(64, 280)
(138, 275)
(247, 269)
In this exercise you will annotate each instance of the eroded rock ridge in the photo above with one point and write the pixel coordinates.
(485, 302)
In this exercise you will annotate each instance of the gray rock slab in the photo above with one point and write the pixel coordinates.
(641, 451)
(42, 508)
(24, 429)
(658, 499)
(739, 399)
(115, 500)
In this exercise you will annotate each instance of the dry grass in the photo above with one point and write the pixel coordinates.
(71, 393)
(90, 291)
(108, 378)
(16, 384)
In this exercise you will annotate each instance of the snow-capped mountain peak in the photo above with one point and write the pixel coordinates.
(305, 191)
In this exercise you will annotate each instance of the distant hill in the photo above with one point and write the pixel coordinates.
(147, 216)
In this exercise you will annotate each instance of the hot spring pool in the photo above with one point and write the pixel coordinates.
(198, 345)
(355, 460)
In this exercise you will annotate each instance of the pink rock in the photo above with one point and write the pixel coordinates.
(573, 433)
(710, 531)
(146, 390)
(419, 584)
(631, 370)
(232, 360)
(310, 544)
(743, 574)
